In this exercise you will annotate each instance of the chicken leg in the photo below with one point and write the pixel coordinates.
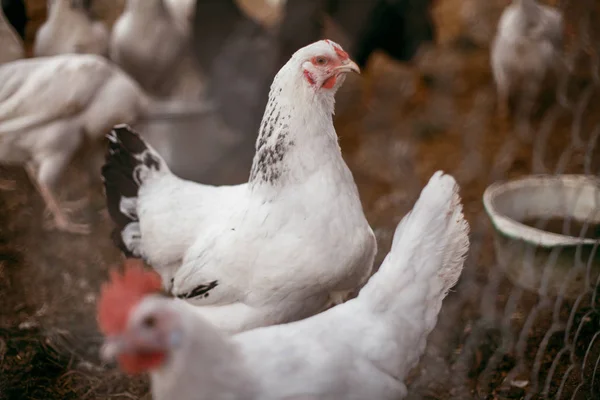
(503, 90)
(61, 221)
(7, 185)
(503, 108)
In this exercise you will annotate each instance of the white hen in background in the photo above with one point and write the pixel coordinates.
(362, 349)
(70, 29)
(11, 45)
(269, 251)
(50, 105)
(276, 3)
(147, 44)
(527, 44)
(182, 12)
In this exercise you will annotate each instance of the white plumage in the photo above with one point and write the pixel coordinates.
(528, 43)
(147, 44)
(362, 349)
(182, 12)
(11, 45)
(70, 29)
(269, 251)
(276, 3)
(49, 105)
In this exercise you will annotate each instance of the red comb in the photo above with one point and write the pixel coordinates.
(122, 293)
(338, 50)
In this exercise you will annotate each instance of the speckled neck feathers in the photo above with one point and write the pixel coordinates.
(296, 132)
(274, 140)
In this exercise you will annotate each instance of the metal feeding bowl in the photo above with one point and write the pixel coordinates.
(547, 232)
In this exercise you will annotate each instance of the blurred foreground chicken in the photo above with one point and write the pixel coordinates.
(49, 106)
(11, 45)
(70, 29)
(528, 43)
(147, 43)
(272, 250)
(362, 349)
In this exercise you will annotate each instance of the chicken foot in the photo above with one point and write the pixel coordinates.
(503, 108)
(8, 184)
(61, 221)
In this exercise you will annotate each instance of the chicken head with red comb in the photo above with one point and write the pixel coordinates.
(324, 63)
(138, 346)
(122, 293)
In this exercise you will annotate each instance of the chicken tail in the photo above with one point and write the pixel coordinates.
(426, 259)
(129, 163)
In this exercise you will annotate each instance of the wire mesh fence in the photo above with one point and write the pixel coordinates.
(523, 322)
(525, 318)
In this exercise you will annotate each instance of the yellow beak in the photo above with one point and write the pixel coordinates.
(348, 66)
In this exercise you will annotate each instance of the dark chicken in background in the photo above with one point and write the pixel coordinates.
(396, 27)
(16, 13)
(241, 57)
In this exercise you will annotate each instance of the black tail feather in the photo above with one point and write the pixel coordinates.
(122, 157)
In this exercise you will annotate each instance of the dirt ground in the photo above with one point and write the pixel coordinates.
(397, 125)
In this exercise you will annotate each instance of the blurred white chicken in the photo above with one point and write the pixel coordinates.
(273, 250)
(50, 105)
(362, 349)
(11, 45)
(70, 29)
(147, 44)
(528, 43)
(276, 3)
(182, 12)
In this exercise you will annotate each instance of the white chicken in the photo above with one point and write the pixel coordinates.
(70, 29)
(147, 44)
(50, 105)
(182, 12)
(527, 44)
(11, 45)
(269, 251)
(362, 349)
(276, 3)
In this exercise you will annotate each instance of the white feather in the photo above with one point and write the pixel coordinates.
(276, 3)
(182, 12)
(70, 30)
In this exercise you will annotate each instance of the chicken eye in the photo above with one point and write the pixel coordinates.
(149, 321)
(320, 61)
